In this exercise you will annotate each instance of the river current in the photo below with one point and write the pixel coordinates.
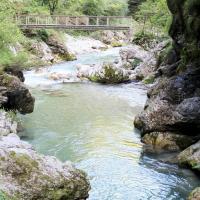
(92, 126)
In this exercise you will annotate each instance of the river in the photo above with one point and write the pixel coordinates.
(92, 125)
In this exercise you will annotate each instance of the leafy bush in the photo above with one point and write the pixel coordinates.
(8, 59)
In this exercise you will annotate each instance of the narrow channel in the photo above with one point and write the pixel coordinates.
(92, 126)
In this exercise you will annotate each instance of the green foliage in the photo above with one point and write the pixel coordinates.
(9, 32)
(154, 14)
(143, 39)
(136, 62)
(133, 6)
(8, 59)
(116, 44)
(149, 79)
(93, 7)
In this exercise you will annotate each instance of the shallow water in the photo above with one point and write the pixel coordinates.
(92, 125)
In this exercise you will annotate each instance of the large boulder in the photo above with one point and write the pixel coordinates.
(195, 194)
(42, 51)
(173, 104)
(108, 74)
(18, 96)
(26, 175)
(58, 47)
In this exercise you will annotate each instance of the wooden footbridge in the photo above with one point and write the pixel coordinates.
(89, 23)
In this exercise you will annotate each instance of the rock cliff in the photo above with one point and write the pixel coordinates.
(171, 117)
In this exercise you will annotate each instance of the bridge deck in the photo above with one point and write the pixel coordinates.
(74, 22)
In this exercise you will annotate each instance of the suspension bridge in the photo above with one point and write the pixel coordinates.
(87, 23)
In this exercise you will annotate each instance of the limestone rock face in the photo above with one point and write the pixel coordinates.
(7, 124)
(195, 194)
(174, 102)
(26, 175)
(43, 51)
(15, 71)
(166, 141)
(58, 48)
(191, 156)
(17, 95)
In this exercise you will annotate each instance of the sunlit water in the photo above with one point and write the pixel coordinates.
(92, 125)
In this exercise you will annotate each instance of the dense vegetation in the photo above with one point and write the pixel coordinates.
(156, 18)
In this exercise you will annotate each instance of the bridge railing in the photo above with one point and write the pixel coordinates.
(59, 20)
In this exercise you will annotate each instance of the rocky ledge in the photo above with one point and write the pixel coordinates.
(25, 174)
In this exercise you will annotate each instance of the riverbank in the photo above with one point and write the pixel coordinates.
(26, 174)
(93, 128)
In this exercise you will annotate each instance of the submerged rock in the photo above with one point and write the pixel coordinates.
(26, 175)
(60, 76)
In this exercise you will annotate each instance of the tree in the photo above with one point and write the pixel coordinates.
(133, 6)
(93, 7)
(52, 5)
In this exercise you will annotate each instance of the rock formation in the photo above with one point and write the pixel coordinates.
(173, 104)
(24, 174)
(17, 96)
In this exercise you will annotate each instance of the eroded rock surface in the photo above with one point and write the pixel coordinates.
(166, 141)
(191, 157)
(174, 102)
(26, 175)
(195, 194)
(107, 73)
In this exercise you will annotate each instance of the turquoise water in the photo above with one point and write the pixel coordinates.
(92, 125)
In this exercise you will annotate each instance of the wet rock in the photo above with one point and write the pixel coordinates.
(108, 74)
(190, 157)
(58, 76)
(43, 51)
(26, 175)
(142, 62)
(172, 107)
(80, 45)
(18, 96)
(166, 141)
(195, 194)
(59, 48)
(15, 71)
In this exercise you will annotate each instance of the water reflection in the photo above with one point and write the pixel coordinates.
(91, 125)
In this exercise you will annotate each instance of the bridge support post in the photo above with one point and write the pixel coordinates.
(108, 21)
(87, 21)
(76, 21)
(97, 21)
(66, 21)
